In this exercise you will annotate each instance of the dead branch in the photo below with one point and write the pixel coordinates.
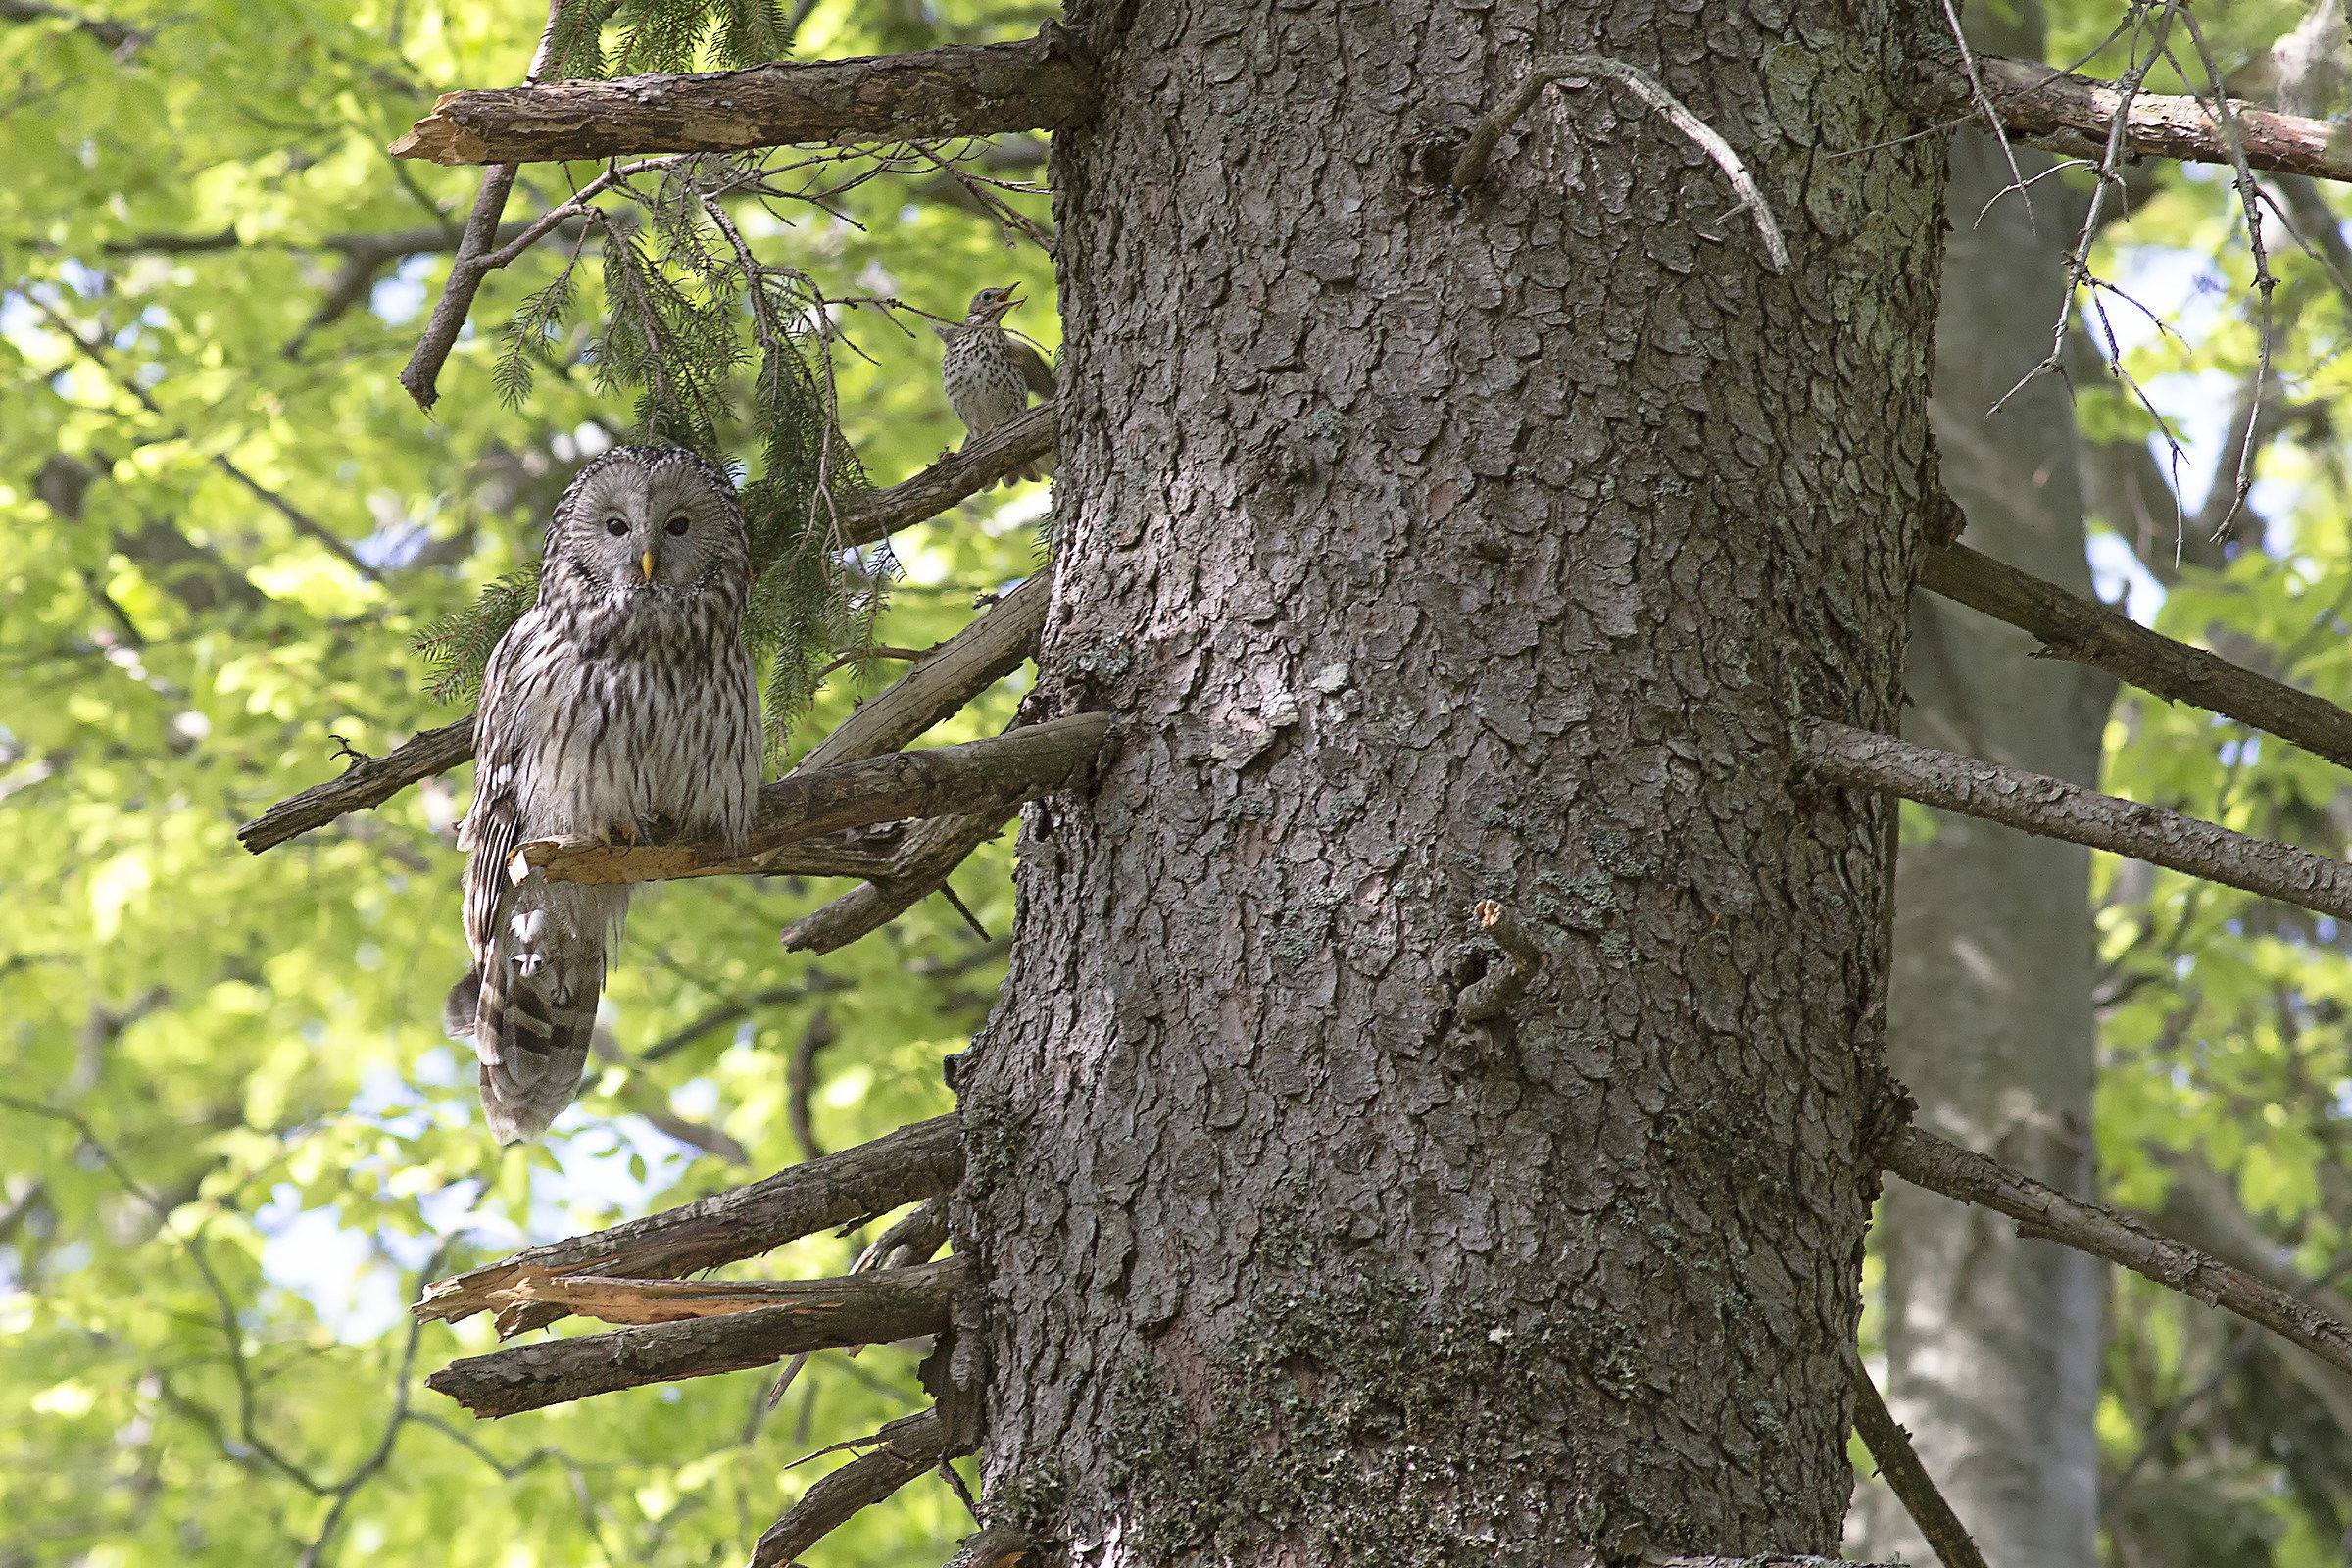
(1547, 70)
(2055, 808)
(808, 1315)
(2090, 633)
(903, 1450)
(1040, 83)
(612, 1298)
(951, 675)
(921, 867)
(1890, 1446)
(799, 1081)
(1008, 448)
(2059, 109)
(368, 783)
(849, 1187)
(956, 477)
(984, 775)
(472, 263)
(911, 1238)
(2043, 1212)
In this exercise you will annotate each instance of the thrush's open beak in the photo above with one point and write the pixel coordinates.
(648, 565)
(1010, 298)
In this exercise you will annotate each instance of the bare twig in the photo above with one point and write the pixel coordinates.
(2042, 1211)
(1993, 117)
(1890, 1446)
(817, 984)
(1040, 83)
(810, 1314)
(2088, 632)
(994, 774)
(849, 1187)
(404, 1389)
(2055, 808)
(1544, 69)
(2250, 195)
(799, 1080)
(911, 1238)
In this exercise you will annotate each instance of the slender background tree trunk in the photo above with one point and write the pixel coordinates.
(1431, 549)
(1992, 1343)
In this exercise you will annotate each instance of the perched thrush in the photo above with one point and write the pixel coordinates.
(988, 375)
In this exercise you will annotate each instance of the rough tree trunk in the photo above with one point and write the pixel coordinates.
(1992, 1341)
(1430, 550)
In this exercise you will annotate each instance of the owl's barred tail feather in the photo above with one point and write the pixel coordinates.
(533, 1048)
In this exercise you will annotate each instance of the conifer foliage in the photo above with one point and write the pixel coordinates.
(713, 343)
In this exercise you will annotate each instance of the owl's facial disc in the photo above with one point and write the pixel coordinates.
(662, 528)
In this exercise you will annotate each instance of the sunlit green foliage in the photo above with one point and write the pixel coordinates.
(233, 1140)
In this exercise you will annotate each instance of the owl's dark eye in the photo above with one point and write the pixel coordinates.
(677, 526)
(616, 527)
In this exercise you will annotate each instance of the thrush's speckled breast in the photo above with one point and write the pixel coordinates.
(988, 375)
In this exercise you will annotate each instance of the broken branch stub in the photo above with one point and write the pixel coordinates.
(849, 1188)
(808, 1315)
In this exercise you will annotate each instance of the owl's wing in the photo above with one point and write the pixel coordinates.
(494, 826)
(1036, 373)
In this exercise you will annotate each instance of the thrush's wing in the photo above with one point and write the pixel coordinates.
(1035, 371)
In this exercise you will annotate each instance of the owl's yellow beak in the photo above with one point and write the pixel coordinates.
(648, 565)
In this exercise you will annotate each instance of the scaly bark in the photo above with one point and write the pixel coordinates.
(1431, 549)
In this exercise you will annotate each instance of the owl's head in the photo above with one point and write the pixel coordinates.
(650, 519)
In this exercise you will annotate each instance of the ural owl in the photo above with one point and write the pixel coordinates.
(621, 703)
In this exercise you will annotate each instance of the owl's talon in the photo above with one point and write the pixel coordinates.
(618, 836)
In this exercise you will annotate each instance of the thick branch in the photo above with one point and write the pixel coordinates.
(2090, 633)
(951, 675)
(982, 776)
(1926, 1160)
(849, 1187)
(808, 1315)
(2055, 808)
(1890, 1446)
(904, 1450)
(1040, 83)
(2069, 113)
(1008, 448)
